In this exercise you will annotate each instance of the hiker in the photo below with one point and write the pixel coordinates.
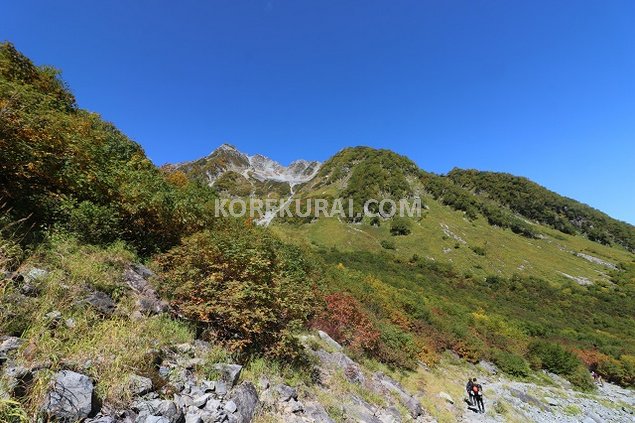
(470, 394)
(477, 389)
(597, 378)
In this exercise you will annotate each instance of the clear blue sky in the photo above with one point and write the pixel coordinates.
(543, 89)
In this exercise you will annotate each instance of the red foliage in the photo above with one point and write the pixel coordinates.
(345, 320)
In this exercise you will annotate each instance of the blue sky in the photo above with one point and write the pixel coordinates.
(543, 89)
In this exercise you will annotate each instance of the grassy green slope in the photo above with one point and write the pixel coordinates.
(506, 253)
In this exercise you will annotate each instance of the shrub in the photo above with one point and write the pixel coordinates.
(581, 378)
(554, 358)
(346, 321)
(478, 250)
(511, 364)
(388, 244)
(612, 370)
(400, 226)
(94, 223)
(396, 347)
(242, 286)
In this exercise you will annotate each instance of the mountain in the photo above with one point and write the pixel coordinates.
(236, 173)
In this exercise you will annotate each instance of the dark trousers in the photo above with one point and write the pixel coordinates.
(470, 396)
(479, 403)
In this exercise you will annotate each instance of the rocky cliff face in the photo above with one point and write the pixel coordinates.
(260, 172)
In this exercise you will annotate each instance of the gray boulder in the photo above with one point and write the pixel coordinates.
(316, 413)
(35, 274)
(148, 302)
(286, 393)
(70, 397)
(158, 407)
(140, 385)
(9, 344)
(330, 341)
(102, 303)
(245, 398)
(156, 419)
(229, 373)
(17, 379)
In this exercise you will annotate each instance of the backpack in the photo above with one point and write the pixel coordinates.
(475, 389)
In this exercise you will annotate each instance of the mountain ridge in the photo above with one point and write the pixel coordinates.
(362, 172)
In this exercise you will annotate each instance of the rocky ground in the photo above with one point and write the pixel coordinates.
(341, 389)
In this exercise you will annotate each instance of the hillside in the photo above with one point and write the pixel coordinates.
(125, 298)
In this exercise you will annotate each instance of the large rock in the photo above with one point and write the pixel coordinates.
(70, 397)
(385, 383)
(316, 413)
(228, 373)
(158, 408)
(140, 385)
(245, 398)
(341, 361)
(102, 303)
(330, 341)
(148, 302)
(17, 379)
(9, 344)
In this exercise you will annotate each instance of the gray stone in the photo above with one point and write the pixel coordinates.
(35, 274)
(294, 406)
(70, 396)
(101, 419)
(212, 404)
(148, 302)
(156, 419)
(286, 393)
(552, 402)
(30, 288)
(389, 384)
(193, 418)
(229, 373)
(9, 344)
(446, 397)
(53, 318)
(245, 398)
(317, 414)
(389, 415)
(360, 411)
(102, 303)
(230, 406)
(208, 385)
(341, 361)
(201, 400)
(489, 367)
(220, 388)
(330, 341)
(528, 399)
(157, 407)
(17, 379)
(140, 385)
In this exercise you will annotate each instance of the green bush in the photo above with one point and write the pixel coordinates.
(93, 223)
(400, 226)
(581, 378)
(511, 364)
(388, 244)
(478, 250)
(242, 286)
(396, 347)
(554, 358)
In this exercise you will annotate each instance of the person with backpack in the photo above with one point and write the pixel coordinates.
(477, 389)
(470, 393)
